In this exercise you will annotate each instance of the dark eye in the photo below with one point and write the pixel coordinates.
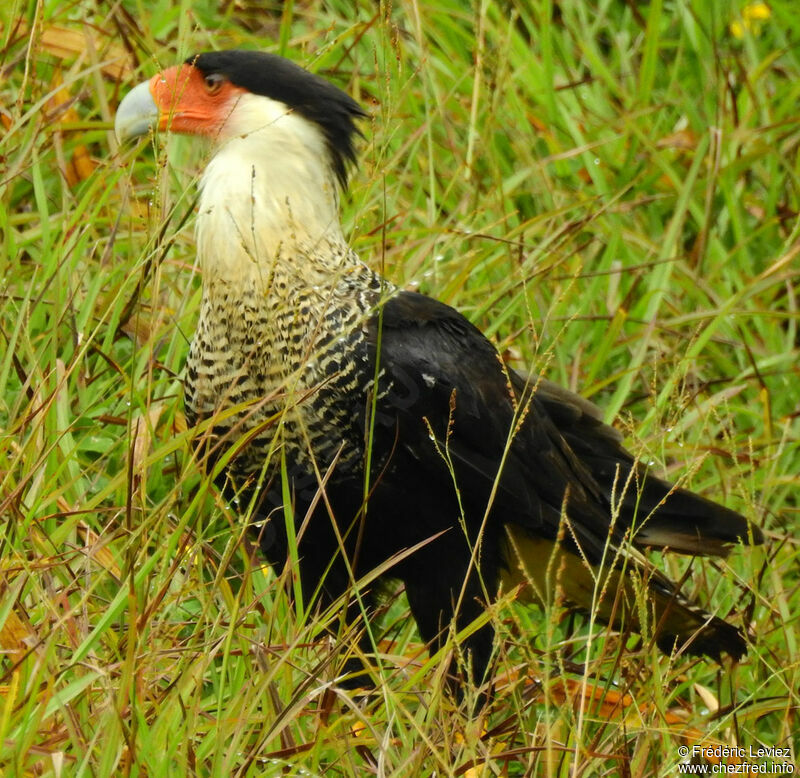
(213, 82)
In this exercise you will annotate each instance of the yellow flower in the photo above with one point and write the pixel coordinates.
(755, 12)
(752, 16)
(737, 29)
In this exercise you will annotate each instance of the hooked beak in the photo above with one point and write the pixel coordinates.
(137, 113)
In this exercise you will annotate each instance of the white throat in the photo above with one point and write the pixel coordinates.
(268, 197)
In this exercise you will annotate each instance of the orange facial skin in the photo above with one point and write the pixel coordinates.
(192, 103)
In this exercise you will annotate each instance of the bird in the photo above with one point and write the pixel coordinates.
(373, 428)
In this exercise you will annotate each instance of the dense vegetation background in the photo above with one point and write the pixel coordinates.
(608, 189)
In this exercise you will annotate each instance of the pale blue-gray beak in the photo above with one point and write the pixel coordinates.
(137, 113)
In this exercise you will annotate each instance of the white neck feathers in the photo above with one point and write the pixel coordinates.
(268, 197)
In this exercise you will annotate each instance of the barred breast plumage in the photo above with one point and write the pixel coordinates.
(285, 366)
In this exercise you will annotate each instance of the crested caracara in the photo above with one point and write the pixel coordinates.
(378, 428)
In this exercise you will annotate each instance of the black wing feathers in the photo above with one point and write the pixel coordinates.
(441, 368)
(662, 514)
(540, 460)
(446, 378)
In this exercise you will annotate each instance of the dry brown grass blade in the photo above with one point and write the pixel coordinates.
(612, 705)
(16, 636)
(80, 166)
(97, 550)
(142, 435)
(67, 43)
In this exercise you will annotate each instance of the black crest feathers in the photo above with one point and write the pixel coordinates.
(314, 98)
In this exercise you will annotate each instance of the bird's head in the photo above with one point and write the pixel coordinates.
(227, 94)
